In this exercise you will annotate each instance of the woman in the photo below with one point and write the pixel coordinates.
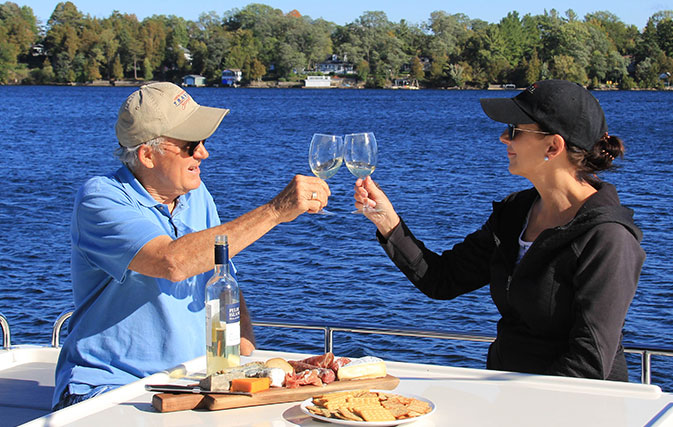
(562, 258)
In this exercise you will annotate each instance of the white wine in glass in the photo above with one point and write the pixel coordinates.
(325, 156)
(360, 152)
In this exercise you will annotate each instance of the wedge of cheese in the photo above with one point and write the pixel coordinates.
(250, 385)
(220, 381)
(364, 367)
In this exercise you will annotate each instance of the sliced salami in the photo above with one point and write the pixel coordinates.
(321, 361)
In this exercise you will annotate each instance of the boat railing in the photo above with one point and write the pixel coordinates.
(56, 329)
(6, 338)
(329, 329)
(645, 353)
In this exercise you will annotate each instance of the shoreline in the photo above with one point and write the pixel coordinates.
(274, 84)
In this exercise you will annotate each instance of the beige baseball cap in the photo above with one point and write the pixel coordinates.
(165, 109)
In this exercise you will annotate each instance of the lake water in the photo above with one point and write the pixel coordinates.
(440, 162)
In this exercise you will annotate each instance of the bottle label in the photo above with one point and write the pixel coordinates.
(212, 315)
(233, 319)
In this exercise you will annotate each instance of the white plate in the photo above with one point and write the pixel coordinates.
(309, 402)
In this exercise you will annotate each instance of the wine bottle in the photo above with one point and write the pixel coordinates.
(223, 324)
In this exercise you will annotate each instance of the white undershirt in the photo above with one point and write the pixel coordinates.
(523, 245)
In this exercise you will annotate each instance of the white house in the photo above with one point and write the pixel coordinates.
(231, 77)
(334, 65)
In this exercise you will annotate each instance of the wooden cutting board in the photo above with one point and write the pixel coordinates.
(170, 402)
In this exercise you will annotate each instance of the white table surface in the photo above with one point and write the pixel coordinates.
(463, 397)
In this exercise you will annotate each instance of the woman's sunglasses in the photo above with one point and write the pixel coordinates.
(512, 130)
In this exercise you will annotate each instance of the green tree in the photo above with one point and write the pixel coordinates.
(289, 61)
(257, 70)
(177, 58)
(449, 33)
(363, 70)
(20, 27)
(519, 38)
(312, 38)
(127, 31)
(456, 75)
(622, 36)
(616, 67)
(664, 33)
(63, 39)
(533, 69)
(109, 48)
(417, 72)
(210, 46)
(117, 69)
(153, 33)
(8, 53)
(265, 24)
(148, 74)
(437, 68)
(375, 41)
(92, 70)
(45, 74)
(567, 68)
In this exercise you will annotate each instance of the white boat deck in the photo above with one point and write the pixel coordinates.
(462, 397)
(26, 383)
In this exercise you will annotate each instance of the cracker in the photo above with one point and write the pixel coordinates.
(419, 406)
(348, 415)
(363, 401)
(375, 414)
(335, 404)
(319, 411)
(398, 410)
(364, 405)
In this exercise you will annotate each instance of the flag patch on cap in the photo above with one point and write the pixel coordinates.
(182, 100)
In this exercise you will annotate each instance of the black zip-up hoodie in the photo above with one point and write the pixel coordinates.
(563, 306)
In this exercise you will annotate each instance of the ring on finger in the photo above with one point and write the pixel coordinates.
(314, 195)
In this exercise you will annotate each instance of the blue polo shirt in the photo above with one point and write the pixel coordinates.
(126, 325)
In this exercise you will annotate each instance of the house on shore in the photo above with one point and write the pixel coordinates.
(193, 80)
(334, 65)
(232, 77)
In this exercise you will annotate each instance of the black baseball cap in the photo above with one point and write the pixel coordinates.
(559, 106)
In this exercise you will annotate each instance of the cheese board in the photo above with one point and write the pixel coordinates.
(170, 402)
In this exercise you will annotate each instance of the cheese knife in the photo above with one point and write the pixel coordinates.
(177, 388)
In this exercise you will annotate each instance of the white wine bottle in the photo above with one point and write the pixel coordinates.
(223, 318)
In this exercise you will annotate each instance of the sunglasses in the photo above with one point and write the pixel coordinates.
(190, 147)
(512, 130)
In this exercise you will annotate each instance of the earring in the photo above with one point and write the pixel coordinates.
(546, 158)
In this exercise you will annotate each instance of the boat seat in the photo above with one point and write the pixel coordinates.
(27, 385)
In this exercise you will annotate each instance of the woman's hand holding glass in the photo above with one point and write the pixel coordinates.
(383, 216)
(325, 157)
(360, 154)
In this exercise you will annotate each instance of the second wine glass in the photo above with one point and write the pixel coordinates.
(325, 157)
(360, 153)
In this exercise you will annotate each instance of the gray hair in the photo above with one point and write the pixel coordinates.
(129, 155)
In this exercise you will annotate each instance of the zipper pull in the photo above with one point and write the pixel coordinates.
(509, 280)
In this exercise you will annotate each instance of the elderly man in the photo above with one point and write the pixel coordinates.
(142, 247)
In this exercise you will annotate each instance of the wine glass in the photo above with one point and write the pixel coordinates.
(325, 157)
(360, 153)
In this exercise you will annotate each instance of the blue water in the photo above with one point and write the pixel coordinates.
(440, 162)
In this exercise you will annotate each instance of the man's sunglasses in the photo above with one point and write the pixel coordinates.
(512, 130)
(190, 147)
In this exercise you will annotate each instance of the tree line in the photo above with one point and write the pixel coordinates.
(448, 50)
